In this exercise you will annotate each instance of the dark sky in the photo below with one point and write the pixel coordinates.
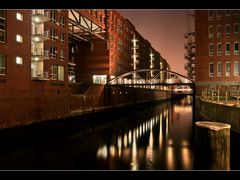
(164, 29)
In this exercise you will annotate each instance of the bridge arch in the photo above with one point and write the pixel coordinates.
(151, 77)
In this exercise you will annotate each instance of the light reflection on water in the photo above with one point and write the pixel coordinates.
(156, 137)
(160, 138)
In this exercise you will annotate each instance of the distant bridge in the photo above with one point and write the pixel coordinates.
(155, 79)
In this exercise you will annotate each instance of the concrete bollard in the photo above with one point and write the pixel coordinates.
(212, 146)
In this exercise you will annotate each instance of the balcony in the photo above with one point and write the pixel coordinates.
(40, 76)
(39, 35)
(40, 54)
(39, 16)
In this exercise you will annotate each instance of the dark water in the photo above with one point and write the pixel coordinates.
(155, 138)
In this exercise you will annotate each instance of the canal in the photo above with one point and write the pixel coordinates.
(158, 137)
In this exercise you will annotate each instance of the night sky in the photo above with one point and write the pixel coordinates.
(164, 29)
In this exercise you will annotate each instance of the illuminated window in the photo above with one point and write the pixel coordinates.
(19, 60)
(211, 69)
(236, 48)
(227, 29)
(54, 70)
(99, 79)
(227, 48)
(60, 73)
(19, 16)
(62, 54)
(228, 68)
(219, 31)
(236, 68)
(210, 31)
(19, 38)
(2, 64)
(219, 49)
(219, 69)
(211, 49)
(2, 26)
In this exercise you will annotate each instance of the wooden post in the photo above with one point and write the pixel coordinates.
(212, 146)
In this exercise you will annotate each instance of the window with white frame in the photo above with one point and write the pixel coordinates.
(219, 49)
(228, 68)
(2, 26)
(211, 49)
(219, 31)
(61, 73)
(62, 21)
(211, 69)
(227, 48)
(54, 71)
(2, 64)
(236, 48)
(219, 69)
(210, 31)
(62, 38)
(62, 54)
(19, 16)
(236, 29)
(19, 38)
(227, 29)
(53, 16)
(19, 60)
(53, 52)
(53, 34)
(236, 68)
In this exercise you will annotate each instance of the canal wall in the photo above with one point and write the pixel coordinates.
(25, 109)
(220, 113)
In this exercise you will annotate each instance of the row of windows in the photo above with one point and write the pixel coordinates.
(219, 31)
(99, 16)
(219, 14)
(53, 53)
(227, 49)
(53, 35)
(220, 69)
(57, 71)
(53, 18)
(18, 60)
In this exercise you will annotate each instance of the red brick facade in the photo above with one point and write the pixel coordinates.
(37, 85)
(215, 31)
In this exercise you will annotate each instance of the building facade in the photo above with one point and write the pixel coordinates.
(46, 56)
(217, 49)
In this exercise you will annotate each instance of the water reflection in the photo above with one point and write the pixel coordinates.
(153, 138)
(145, 139)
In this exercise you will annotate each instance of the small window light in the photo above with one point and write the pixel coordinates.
(19, 60)
(19, 16)
(19, 38)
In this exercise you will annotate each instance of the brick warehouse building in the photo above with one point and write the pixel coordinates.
(217, 49)
(46, 55)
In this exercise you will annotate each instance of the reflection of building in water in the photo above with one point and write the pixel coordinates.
(150, 143)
